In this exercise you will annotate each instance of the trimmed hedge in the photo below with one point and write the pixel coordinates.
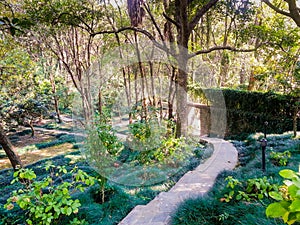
(247, 111)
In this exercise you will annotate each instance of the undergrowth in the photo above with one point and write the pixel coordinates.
(245, 208)
(119, 200)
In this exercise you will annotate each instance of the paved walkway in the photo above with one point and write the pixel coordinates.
(193, 184)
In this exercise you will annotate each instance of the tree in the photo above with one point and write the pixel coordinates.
(9, 150)
(290, 8)
(14, 82)
(180, 20)
(63, 28)
(287, 8)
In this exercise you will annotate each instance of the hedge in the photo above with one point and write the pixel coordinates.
(247, 111)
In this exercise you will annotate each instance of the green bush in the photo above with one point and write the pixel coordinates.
(146, 135)
(280, 158)
(252, 189)
(44, 202)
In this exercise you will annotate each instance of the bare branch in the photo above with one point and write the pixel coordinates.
(276, 9)
(216, 48)
(171, 20)
(200, 13)
(154, 22)
(57, 19)
(146, 33)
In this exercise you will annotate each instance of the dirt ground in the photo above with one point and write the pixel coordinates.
(33, 156)
(41, 135)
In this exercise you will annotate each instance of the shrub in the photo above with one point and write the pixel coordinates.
(280, 158)
(252, 189)
(43, 202)
(145, 135)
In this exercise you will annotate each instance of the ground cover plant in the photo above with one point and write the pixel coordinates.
(242, 196)
(101, 202)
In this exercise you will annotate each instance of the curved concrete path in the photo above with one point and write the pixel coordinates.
(193, 184)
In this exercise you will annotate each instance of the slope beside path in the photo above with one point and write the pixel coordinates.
(193, 184)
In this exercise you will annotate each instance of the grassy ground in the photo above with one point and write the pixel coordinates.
(119, 200)
(212, 209)
(51, 139)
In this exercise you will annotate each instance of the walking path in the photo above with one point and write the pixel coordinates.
(193, 184)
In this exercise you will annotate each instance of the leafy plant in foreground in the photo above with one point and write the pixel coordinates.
(253, 189)
(288, 207)
(280, 158)
(44, 202)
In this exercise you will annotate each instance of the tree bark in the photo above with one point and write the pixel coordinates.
(295, 117)
(30, 123)
(182, 60)
(9, 150)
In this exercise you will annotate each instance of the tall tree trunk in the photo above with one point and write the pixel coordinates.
(182, 60)
(141, 69)
(9, 150)
(181, 99)
(55, 98)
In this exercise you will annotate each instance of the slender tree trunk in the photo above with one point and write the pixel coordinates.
(9, 150)
(171, 94)
(100, 102)
(55, 98)
(59, 120)
(295, 117)
(141, 69)
(31, 127)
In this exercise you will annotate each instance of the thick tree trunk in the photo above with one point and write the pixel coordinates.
(181, 102)
(9, 150)
(182, 60)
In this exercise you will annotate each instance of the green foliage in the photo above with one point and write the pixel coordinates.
(247, 111)
(169, 151)
(288, 195)
(103, 135)
(213, 208)
(44, 202)
(145, 135)
(252, 189)
(140, 130)
(280, 158)
(208, 211)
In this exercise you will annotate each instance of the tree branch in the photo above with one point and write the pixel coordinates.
(200, 13)
(153, 21)
(170, 20)
(294, 11)
(276, 9)
(216, 48)
(146, 33)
